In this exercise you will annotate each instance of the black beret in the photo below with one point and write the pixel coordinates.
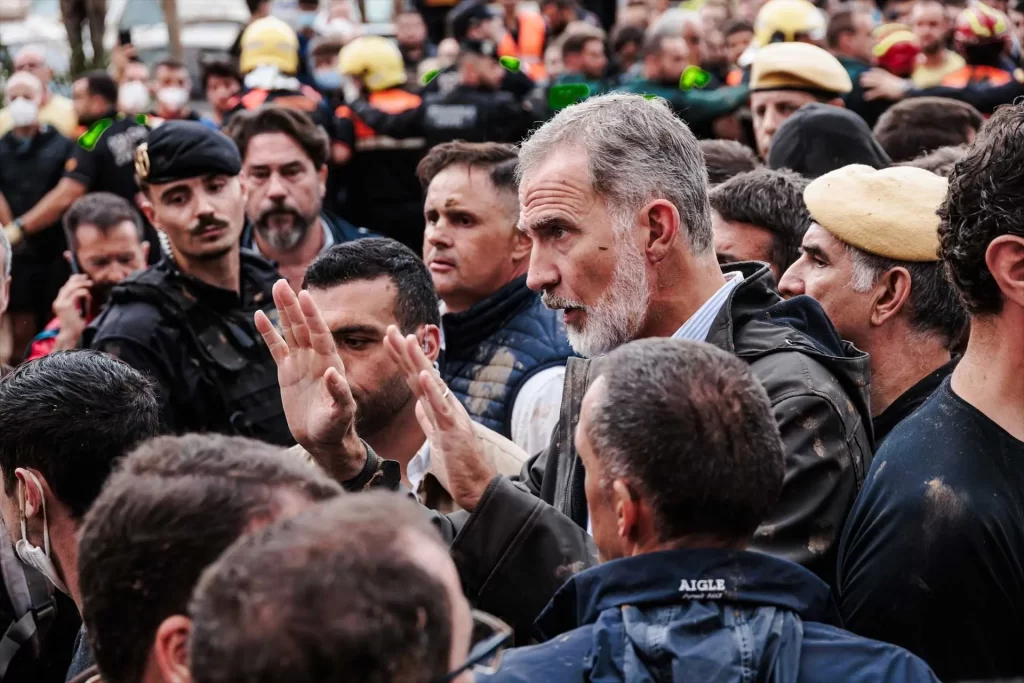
(177, 150)
(484, 48)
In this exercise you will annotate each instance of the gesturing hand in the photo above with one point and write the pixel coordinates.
(317, 400)
(444, 421)
(67, 306)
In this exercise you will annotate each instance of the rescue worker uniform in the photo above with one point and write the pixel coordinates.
(196, 341)
(526, 42)
(466, 113)
(383, 188)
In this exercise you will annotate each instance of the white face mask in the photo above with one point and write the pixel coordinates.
(172, 98)
(35, 557)
(23, 112)
(133, 98)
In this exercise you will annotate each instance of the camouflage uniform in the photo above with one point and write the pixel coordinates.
(75, 13)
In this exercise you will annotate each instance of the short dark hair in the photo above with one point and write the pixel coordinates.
(171, 508)
(344, 567)
(690, 427)
(246, 125)
(100, 83)
(655, 43)
(737, 26)
(726, 158)
(985, 200)
(769, 199)
(939, 161)
(575, 43)
(71, 415)
(416, 302)
(933, 307)
(170, 63)
(254, 5)
(219, 68)
(624, 35)
(500, 158)
(919, 125)
(841, 22)
(105, 210)
(330, 46)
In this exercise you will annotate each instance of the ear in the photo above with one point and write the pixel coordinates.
(146, 206)
(145, 251)
(33, 494)
(837, 102)
(1005, 260)
(521, 245)
(626, 511)
(322, 176)
(68, 256)
(661, 219)
(431, 342)
(891, 295)
(170, 649)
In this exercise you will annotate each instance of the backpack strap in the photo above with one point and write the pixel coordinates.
(32, 598)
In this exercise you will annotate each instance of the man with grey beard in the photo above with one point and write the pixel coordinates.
(284, 163)
(613, 193)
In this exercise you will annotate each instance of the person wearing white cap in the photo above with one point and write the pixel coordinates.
(871, 259)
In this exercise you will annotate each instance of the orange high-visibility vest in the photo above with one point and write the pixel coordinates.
(392, 101)
(986, 75)
(530, 47)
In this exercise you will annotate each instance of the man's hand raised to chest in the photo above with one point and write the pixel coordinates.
(317, 400)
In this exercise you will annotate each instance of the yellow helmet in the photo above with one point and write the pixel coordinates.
(785, 21)
(269, 42)
(374, 60)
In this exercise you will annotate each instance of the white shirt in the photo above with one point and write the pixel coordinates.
(418, 467)
(699, 324)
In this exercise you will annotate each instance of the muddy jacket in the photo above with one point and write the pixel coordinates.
(715, 616)
(531, 533)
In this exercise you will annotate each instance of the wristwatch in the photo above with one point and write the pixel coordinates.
(15, 231)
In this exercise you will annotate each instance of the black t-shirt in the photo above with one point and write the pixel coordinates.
(910, 400)
(110, 165)
(932, 557)
(28, 170)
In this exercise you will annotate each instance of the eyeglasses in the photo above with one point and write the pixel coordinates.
(490, 636)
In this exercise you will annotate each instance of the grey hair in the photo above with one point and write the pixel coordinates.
(934, 308)
(940, 161)
(637, 150)
(5, 253)
(671, 23)
(29, 78)
(690, 428)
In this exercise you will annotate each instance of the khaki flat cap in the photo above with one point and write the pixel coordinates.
(798, 66)
(888, 213)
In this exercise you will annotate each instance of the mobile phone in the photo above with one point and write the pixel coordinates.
(83, 308)
(124, 37)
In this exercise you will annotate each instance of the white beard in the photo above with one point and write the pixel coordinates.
(619, 314)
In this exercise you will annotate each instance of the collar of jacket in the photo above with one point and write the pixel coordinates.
(756, 322)
(679, 576)
(482, 319)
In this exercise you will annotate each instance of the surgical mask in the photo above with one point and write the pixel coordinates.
(327, 79)
(133, 97)
(33, 556)
(304, 20)
(23, 112)
(172, 98)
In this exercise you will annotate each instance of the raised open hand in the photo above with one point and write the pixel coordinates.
(444, 421)
(317, 400)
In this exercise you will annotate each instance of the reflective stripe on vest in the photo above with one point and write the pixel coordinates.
(986, 75)
(392, 101)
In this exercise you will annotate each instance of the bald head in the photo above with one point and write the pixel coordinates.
(25, 85)
(32, 59)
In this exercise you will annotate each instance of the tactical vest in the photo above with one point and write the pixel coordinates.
(228, 350)
(493, 348)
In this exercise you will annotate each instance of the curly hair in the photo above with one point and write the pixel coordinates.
(985, 201)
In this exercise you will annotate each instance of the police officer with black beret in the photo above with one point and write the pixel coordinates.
(187, 322)
(475, 110)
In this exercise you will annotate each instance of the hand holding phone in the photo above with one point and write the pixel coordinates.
(72, 305)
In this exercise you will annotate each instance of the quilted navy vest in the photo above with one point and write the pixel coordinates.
(493, 348)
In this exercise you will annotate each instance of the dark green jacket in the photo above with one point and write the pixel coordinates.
(854, 100)
(699, 108)
(528, 535)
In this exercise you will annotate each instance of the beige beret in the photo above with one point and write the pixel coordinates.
(798, 66)
(888, 213)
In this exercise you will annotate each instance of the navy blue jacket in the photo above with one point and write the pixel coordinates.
(707, 615)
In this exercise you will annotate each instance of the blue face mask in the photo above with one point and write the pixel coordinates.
(327, 79)
(304, 20)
